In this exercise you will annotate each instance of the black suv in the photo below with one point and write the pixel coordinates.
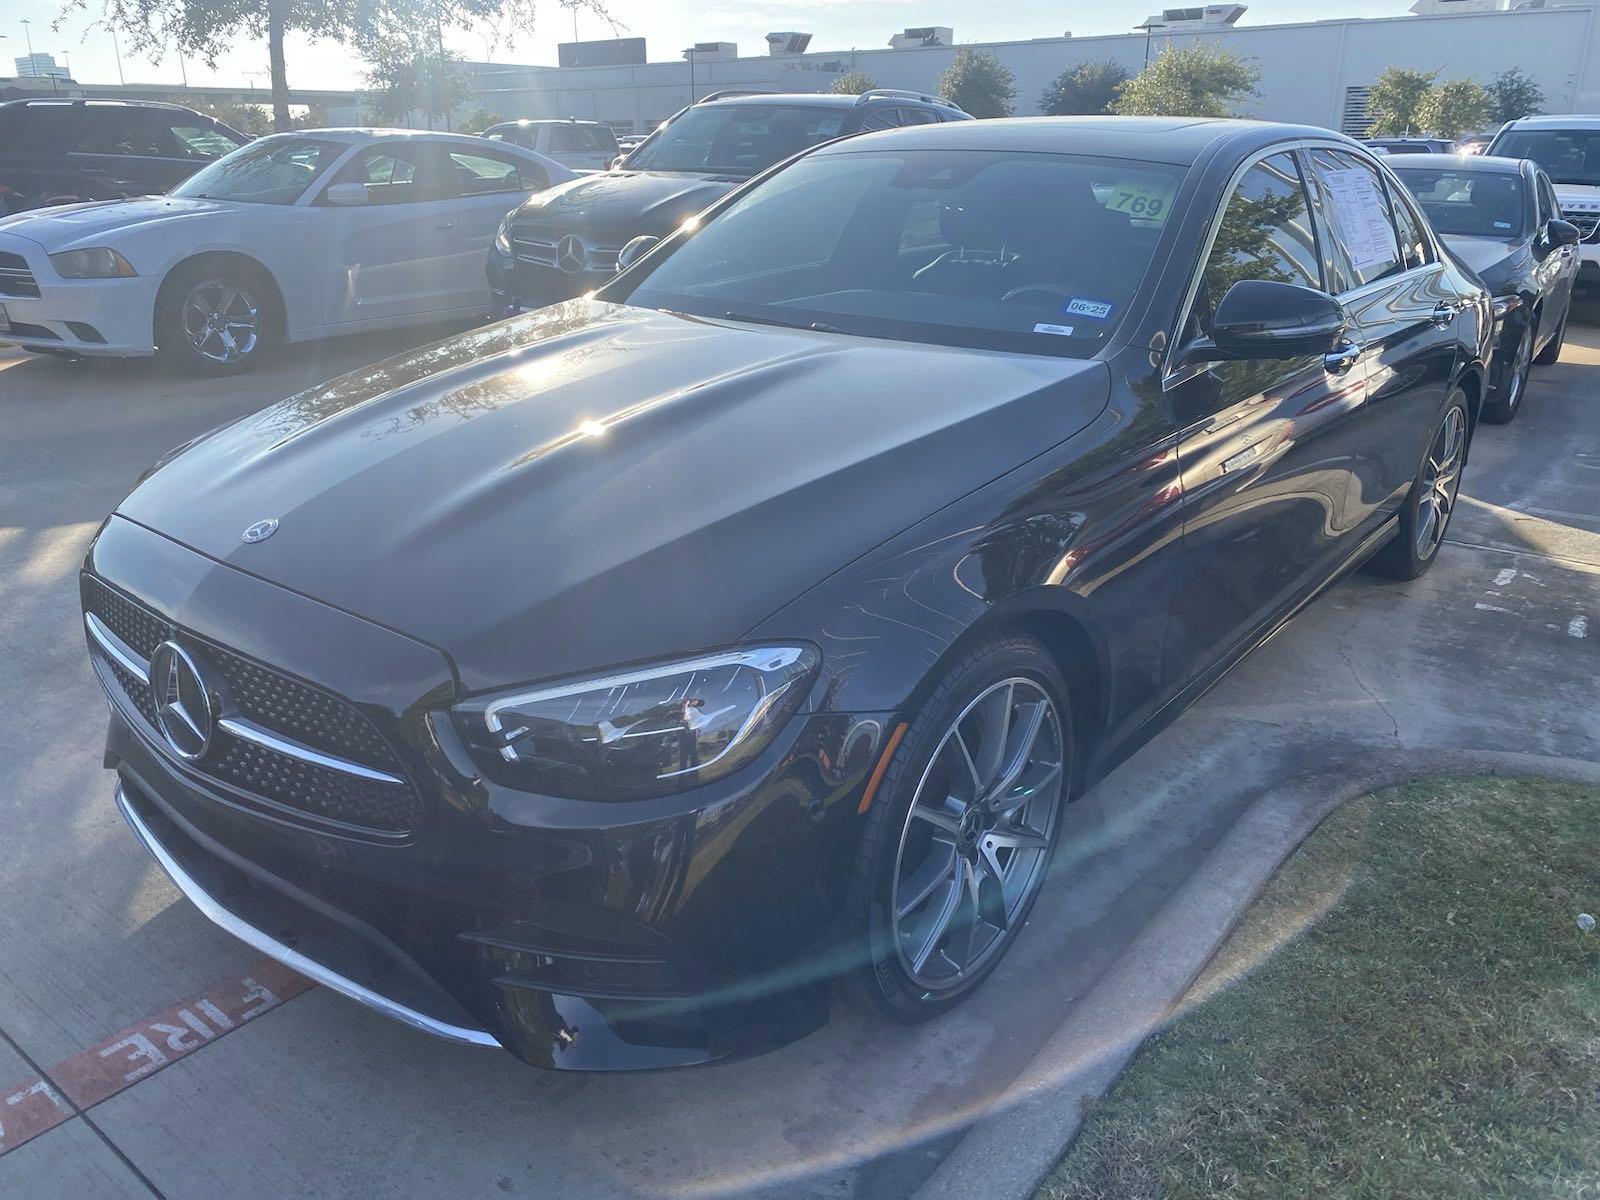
(565, 240)
(63, 151)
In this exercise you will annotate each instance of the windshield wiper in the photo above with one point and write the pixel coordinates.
(752, 319)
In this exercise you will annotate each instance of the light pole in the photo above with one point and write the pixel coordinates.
(28, 33)
(117, 50)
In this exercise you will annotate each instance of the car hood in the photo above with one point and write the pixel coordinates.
(631, 202)
(595, 484)
(68, 225)
(1486, 256)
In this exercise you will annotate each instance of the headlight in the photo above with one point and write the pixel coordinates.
(641, 732)
(502, 237)
(100, 263)
(1504, 305)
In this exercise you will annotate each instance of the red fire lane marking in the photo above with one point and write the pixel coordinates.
(139, 1051)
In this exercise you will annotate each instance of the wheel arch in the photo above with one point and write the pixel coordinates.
(278, 311)
(1470, 380)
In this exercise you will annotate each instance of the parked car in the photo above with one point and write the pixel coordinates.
(295, 236)
(1475, 143)
(1412, 145)
(64, 151)
(568, 243)
(582, 145)
(601, 683)
(1568, 148)
(628, 141)
(1500, 217)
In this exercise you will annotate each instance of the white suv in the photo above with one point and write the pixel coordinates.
(581, 145)
(1568, 148)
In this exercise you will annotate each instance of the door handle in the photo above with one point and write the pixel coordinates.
(1341, 359)
(1446, 311)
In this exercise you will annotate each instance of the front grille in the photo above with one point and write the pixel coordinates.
(541, 248)
(289, 743)
(15, 277)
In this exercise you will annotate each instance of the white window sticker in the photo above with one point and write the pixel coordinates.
(1058, 330)
(1080, 306)
(1362, 217)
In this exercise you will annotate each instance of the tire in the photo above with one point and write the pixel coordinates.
(216, 318)
(1552, 349)
(1425, 516)
(978, 869)
(1504, 408)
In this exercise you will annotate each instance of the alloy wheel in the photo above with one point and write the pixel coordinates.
(977, 837)
(1441, 478)
(1519, 370)
(222, 320)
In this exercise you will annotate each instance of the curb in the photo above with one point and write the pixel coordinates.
(1010, 1150)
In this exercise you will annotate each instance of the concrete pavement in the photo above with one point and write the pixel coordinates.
(1495, 650)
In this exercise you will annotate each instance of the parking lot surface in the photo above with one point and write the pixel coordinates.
(145, 1052)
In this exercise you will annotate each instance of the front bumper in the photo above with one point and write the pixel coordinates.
(519, 286)
(91, 317)
(583, 936)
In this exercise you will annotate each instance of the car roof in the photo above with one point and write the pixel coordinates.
(524, 121)
(1487, 163)
(360, 136)
(811, 99)
(1575, 121)
(1178, 140)
(92, 102)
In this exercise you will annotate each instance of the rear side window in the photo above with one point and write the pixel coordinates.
(38, 127)
(917, 116)
(1357, 218)
(1266, 233)
(582, 137)
(126, 132)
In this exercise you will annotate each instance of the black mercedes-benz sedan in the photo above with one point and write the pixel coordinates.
(609, 682)
(565, 241)
(1501, 218)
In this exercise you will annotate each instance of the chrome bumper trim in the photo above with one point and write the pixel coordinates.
(270, 946)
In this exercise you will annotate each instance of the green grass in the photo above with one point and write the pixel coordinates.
(1409, 1010)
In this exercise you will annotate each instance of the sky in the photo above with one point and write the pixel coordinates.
(667, 25)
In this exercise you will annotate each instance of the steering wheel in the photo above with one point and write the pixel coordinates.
(1049, 290)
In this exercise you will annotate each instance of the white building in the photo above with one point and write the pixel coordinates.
(1313, 72)
(39, 66)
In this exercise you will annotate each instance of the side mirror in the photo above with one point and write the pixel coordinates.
(1562, 233)
(346, 195)
(1259, 318)
(635, 250)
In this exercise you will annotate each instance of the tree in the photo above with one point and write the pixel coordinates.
(1395, 97)
(480, 119)
(413, 75)
(204, 29)
(979, 83)
(1087, 90)
(1454, 108)
(1195, 81)
(853, 84)
(1512, 96)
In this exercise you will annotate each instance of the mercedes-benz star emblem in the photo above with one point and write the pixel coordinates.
(571, 255)
(260, 531)
(183, 702)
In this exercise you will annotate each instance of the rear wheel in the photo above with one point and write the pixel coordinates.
(1425, 516)
(1508, 403)
(215, 319)
(963, 828)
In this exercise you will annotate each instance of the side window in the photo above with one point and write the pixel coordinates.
(1549, 206)
(1414, 248)
(201, 141)
(128, 132)
(886, 117)
(1266, 233)
(917, 116)
(399, 174)
(1357, 218)
(478, 174)
(47, 128)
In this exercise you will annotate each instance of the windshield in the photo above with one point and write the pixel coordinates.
(1468, 203)
(1567, 155)
(265, 172)
(1032, 252)
(737, 139)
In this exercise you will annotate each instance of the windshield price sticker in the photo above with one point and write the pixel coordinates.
(1081, 306)
(1362, 216)
(1147, 201)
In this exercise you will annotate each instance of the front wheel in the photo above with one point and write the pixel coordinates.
(1504, 408)
(963, 828)
(1425, 516)
(214, 319)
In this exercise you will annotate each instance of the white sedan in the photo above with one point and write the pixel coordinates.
(295, 236)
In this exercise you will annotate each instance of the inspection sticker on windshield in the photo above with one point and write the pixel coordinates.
(1147, 200)
(1058, 330)
(1082, 306)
